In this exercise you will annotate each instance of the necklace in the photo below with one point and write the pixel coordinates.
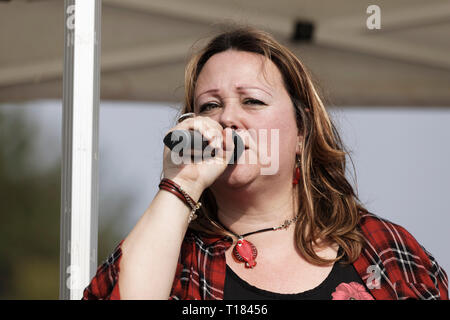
(245, 251)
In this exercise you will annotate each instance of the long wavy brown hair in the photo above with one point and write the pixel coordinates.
(329, 209)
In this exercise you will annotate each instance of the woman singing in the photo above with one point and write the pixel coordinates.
(287, 225)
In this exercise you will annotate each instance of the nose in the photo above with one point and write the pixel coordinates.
(231, 116)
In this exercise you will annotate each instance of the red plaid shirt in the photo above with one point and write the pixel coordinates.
(404, 268)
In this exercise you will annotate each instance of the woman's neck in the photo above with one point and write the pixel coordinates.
(250, 208)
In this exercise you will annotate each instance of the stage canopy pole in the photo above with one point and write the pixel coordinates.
(80, 123)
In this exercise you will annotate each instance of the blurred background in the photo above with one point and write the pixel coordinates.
(384, 73)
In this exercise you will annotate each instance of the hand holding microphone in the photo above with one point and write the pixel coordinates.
(195, 142)
(200, 138)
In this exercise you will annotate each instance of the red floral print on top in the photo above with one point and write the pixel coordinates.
(351, 291)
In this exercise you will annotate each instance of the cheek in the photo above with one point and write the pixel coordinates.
(281, 132)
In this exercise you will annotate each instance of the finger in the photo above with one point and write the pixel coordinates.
(208, 128)
(228, 144)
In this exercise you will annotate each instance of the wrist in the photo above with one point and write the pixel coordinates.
(174, 188)
(190, 187)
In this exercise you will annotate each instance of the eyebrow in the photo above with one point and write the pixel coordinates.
(238, 88)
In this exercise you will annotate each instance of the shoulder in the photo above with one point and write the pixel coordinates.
(403, 258)
(390, 240)
(383, 234)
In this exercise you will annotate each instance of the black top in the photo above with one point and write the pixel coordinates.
(238, 289)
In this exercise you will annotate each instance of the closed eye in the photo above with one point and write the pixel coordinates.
(253, 101)
(209, 105)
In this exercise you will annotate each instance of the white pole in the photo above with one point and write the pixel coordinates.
(79, 179)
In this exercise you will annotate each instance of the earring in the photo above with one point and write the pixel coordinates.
(297, 173)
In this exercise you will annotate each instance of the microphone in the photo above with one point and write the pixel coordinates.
(193, 140)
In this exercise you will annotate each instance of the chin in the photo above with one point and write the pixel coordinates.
(237, 176)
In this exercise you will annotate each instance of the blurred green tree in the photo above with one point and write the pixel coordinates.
(30, 215)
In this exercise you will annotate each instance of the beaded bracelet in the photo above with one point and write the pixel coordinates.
(171, 186)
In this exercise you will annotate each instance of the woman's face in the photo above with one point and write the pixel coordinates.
(245, 91)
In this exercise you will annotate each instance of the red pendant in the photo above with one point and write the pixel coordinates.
(245, 251)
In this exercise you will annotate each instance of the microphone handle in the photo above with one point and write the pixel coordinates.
(193, 140)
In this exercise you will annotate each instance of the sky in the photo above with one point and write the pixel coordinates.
(401, 157)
